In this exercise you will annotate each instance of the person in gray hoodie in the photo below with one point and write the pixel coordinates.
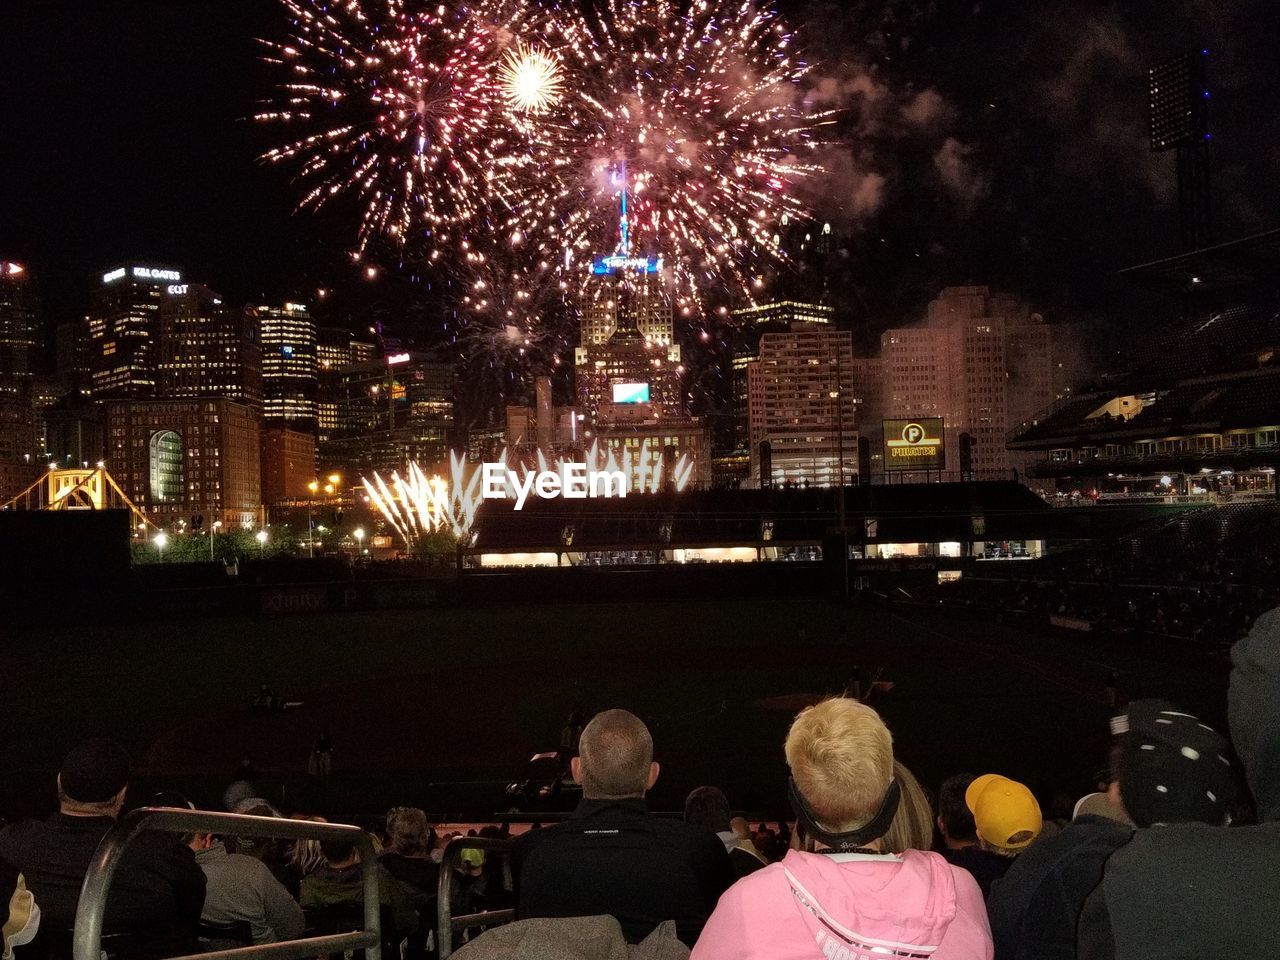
(1194, 891)
(1169, 768)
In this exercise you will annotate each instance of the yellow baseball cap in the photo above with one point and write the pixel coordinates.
(1004, 811)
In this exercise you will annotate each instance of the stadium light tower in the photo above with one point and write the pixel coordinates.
(1179, 111)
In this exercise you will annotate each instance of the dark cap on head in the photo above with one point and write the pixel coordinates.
(1173, 768)
(95, 771)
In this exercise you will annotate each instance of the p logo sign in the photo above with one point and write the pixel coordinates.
(913, 444)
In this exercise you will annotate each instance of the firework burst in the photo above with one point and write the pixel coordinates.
(398, 111)
(694, 112)
(532, 79)
(454, 126)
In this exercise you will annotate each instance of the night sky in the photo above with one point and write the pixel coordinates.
(999, 142)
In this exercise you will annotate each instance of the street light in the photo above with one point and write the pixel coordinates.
(212, 527)
(261, 537)
(161, 539)
(358, 533)
(313, 486)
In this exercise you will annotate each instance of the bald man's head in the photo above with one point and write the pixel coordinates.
(615, 757)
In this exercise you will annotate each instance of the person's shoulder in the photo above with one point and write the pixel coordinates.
(249, 866)
(1157, 848)
(531, 838)
(762, 883)
(964, 882)
(1090, 837)
(690, 833)
(155, 843)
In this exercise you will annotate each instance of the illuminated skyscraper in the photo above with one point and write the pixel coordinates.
(636, 297)
(336, 349)
(803, 407)
(627, 372)
(287, 335)
(19, 333)
(390, 412)
(772, 316)
(627, 338)
(20, 446)
(206, 349)
(124, 326)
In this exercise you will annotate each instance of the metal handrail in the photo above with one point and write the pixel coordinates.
(87, 939)
(447, 924)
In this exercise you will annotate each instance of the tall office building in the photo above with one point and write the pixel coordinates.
(636, 297)
(983, 363)
(628, 376)
(803, 407)
(287, 336)
(20, 448)
(179, 459)
(124, 326)
(390, 412)
(628, 369)
(19, 329)
(206, 349)
(336, 349)
(627, 338)
(751, 323)
(630, 394)
(73, 356)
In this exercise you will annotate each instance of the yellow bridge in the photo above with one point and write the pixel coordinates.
(90, 489)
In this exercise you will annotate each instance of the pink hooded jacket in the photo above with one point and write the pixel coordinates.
(812, 906)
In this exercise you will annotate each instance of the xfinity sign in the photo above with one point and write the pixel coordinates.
(573, 481)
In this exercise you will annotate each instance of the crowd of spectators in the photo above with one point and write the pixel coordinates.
(1202, 577)
(1177, 857)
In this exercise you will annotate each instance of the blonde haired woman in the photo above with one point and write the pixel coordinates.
(847, 895)
(912, 827)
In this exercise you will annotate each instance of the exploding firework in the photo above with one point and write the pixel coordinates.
(398, 111)
(445, 124)
(532, 79)
(690, 121)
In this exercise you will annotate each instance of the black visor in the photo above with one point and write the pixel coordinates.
(873, 829)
